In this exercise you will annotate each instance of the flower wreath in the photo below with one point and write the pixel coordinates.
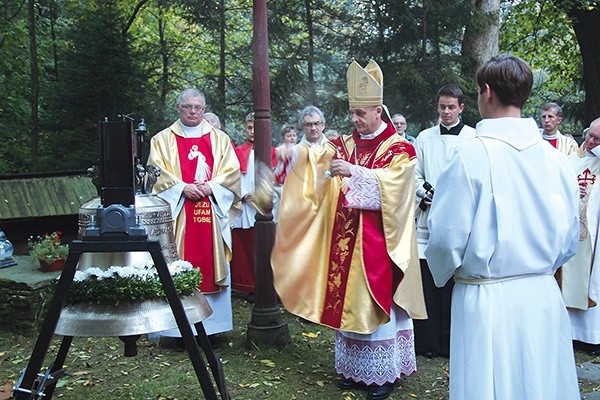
(131, 283)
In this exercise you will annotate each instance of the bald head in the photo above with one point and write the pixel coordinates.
(592, 136)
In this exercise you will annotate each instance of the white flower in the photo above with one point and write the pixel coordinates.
(179, 266)
(88, 273)
(136, 271)
(80, 276)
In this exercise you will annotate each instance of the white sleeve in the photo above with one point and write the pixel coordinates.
(449, 225)
(362, 189)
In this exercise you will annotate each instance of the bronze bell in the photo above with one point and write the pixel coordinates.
(156, 217)
(135, 318)
(128, 319)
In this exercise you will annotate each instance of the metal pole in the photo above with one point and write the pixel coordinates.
(267, 327)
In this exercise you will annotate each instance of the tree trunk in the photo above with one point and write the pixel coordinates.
(586, 23)
(133, 15)
(53, 12)
(312, 94)
(35, 86)
(164, 89)
(480, 42)
(381, 27)
(222, 106)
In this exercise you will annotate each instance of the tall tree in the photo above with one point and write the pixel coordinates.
(586, 23)
(542, 34)
(35, 84)
(311, 92)
(480, 42)
(98, 81)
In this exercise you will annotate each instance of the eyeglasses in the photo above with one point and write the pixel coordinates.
(189, 107)
(311, 124)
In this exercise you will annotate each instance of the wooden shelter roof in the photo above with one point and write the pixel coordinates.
(30, 196)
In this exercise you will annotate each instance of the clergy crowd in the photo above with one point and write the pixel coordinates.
(475, 244)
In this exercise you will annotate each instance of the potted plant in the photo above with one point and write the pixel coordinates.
(48, 250)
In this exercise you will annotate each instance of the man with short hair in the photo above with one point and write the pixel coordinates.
(551, 115)
(432, 336)
(503, 219)
(345, 249)
(200, 179)
(399, 122)
(312, 123)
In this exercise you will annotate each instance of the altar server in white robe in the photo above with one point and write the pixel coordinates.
(503, 219)
(581, 274)
(432, 335)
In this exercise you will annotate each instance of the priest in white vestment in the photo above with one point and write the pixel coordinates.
(551, 115)
(503, 219)
(581, 274)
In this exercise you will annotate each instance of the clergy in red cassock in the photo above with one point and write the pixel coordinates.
(242, 263)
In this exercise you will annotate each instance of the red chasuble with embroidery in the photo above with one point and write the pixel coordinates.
(382, 277)
(343, 267)
(198, 242)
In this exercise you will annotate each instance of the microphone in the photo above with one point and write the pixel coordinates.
(428, 195)
(430, 191)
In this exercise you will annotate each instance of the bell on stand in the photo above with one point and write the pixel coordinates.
(121, 229)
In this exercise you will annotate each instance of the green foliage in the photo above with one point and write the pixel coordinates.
(47, 247)
(93, 64)
(542, 34)
(116, 289)
(14, 88)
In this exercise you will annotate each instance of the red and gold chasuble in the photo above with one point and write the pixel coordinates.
(198, 241)
(382, 277)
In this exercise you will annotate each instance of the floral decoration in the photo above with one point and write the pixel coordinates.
(131, 283)
(47, 247)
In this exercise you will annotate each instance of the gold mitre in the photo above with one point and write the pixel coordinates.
(365, 85)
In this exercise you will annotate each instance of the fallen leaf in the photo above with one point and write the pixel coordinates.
(268, 363)
(248, 385)
(320, 383)
(62, 383)
(80, 373)
(6, 390)
(311, 335)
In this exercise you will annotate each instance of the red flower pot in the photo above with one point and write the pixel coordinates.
(54, 266)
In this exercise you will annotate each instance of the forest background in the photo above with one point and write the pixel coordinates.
(67, 64)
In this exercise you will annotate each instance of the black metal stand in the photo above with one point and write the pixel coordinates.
(34, 385)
